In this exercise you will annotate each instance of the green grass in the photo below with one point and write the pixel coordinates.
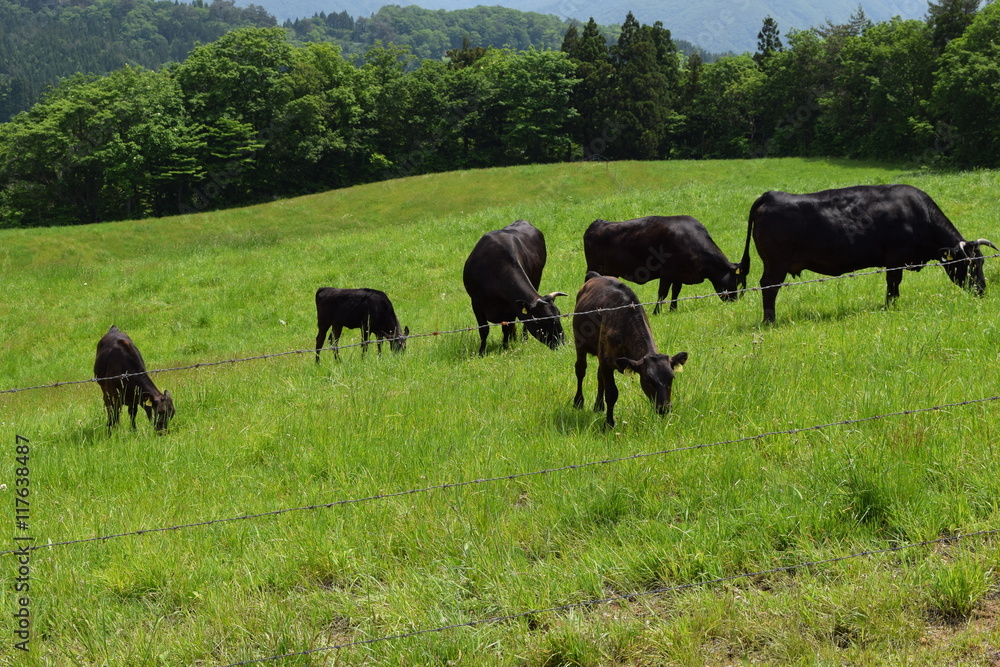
(284, 433)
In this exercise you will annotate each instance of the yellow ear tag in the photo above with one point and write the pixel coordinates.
(628, 372)
(679, 368)
(737, 270)
(949, 256)
(524, 311)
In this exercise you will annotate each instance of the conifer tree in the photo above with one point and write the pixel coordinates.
(768, 41)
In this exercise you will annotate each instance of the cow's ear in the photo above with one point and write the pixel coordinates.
(678, 360)
(947, 254)
(626, 366)
(406, 331)
(522, 305)
(147, 401)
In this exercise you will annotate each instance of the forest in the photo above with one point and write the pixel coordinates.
(42, 42)
(429, 34)
(254, 116)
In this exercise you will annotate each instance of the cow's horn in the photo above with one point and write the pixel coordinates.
(555, 294)
(985, 242)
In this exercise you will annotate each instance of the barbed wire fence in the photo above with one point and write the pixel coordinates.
(520, 475)
(460, 330)
(624, 597)
(508, 477)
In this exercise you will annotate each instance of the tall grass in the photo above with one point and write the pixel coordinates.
(285, 433)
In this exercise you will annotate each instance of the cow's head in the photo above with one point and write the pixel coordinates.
(656, 375)
(731, 287)
(543, 320)
(398, 342)
(964, 265)
(159, 409)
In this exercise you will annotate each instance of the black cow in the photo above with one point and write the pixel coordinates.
(838, 231)
(502, 275)
(367, 309)
(621, 340)
(116, 356)
(677, 249)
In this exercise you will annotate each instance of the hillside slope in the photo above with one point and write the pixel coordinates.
(714, 26)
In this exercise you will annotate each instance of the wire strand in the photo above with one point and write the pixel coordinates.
(261, 357)
(499, 478)
(622, 597)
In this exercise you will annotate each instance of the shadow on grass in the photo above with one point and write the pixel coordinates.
(570, 421)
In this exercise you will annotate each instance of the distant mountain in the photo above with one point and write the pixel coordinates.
(715, 25)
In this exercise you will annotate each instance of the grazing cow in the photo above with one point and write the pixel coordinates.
(621, 340)
(502, 275)
(838, 231)
(677, 249)
(367, 309)
(116, 356)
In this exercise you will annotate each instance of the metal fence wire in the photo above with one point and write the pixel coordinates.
(274, 355)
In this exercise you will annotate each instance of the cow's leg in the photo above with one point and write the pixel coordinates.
(581, 371)
(892, 279)
(365, 333)
(607, 374)
(335, 340)
(599, 403)
(323, 326)
(509, 333)
(661, 294)
(133, 406)
(675, 291)
(113, 406)
(770, 283)
(484, 329)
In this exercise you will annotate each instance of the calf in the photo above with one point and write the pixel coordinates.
(677, 249)
(611, 325)
(367, 309)
(502, 275)
(121, 373)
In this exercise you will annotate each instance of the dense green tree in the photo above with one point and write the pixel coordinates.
(948, 19)
(466, 55)
(593, 94)
(234, 87)
(876, 105)
(48, 41)
(645, 88)
(797, 79)
(317, 137)
(768, 41)
(725, 120)
(98, 148)
(965, 91)
(529, 94)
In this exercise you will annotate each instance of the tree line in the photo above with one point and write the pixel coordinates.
(43, 42)
(251, 116)
(430, 33)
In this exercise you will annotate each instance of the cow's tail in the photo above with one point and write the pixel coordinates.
(744, 267)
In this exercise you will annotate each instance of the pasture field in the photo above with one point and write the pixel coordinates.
(687, 502)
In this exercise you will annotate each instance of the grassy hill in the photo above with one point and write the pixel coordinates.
(283, 433)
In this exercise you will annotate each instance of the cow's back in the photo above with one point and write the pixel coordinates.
(647, 248)
(501, 257)
(117, 355)
(610, 320)
(845, 229)
(350, 307)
